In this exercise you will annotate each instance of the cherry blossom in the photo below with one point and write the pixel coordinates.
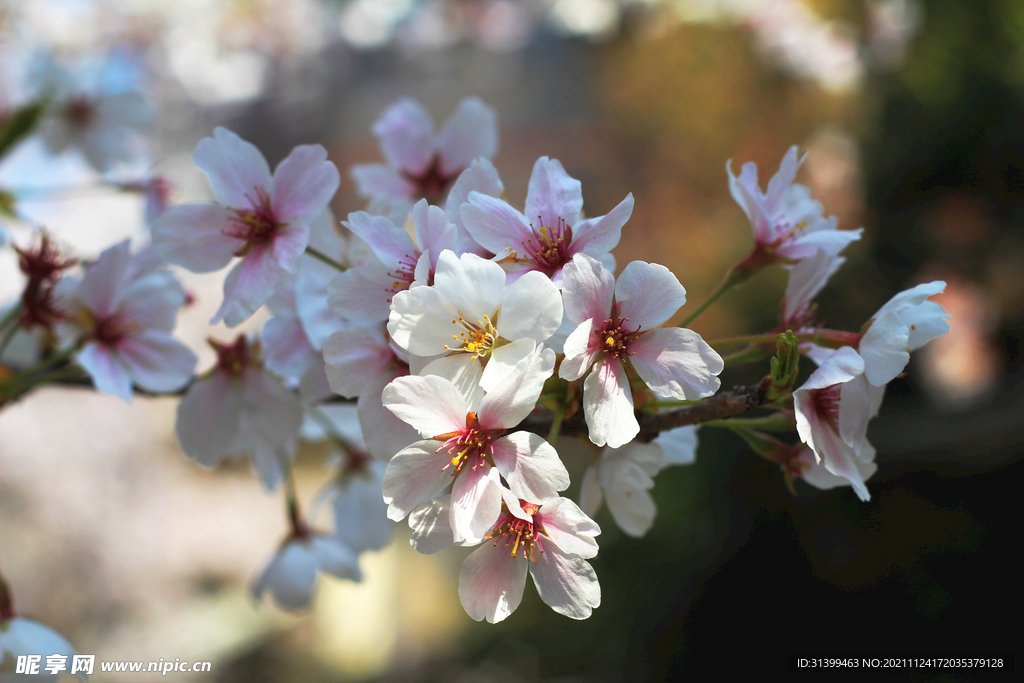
(551, 231)
(238, 409)
(905, 323)
(553, 540)
(290, 576)
(360, 514)
(623, 478)
(806, 280)
(123, 311)
(263, 219)
(86, 113)
(616, 335)
(817, 475)
(480, 325)
(421, 164)
(833, 408)
(465, 440)
(788, 224)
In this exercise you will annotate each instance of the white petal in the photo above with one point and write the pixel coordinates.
(503, 361)
(633, 511)
(578, 354)
(676, 362)
(108, 372)
(516, 396)
(157, 361)
(390, 243)
(379, 181)
(531, 308)
(566, 583)
(608, 405)
(193, 236)
(648, 294)
(335, 558)
(354, 357)
(209, 418)
(590, 491)
(432, 405)
(413, 476)
(597, 236)
(885, 348)
(424, 322)
(360, 515)
(385, 434)
(531, 467)
(290, 576)
(679, 445)
(431, 530)
(491, 583)
(481, 176)
(494, 224)
(475, 503)
(473, 285)
(566, 526)
(587, 289)
(273, 412)
(840, 367)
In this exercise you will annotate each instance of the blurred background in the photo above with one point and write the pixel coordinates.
(911, 113)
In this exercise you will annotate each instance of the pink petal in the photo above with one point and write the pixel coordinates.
(209, 418)
(552, 196)
(385, 434)
(566, 525)
(470, 133)
(362, 295)
(596, 236)
(235, 168)
(494, 224)
(406, 134)
(432, 405)
(390, 243)
(304, 183)
(355, 357)
(101, 286)
(157, 361)
(378, 181)
(481, 176)
(193, 236)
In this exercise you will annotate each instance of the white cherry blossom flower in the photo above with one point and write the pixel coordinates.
(806, 280)
(615, 330)
(817, 475)
(20, 636)
(553, 541)
(290, 576)
(288, 351)
(623, 478)
(123, 310)
(262, 218)
(551, 231)
(421, 164)
(239, 409)
(833, 408)
(788, 224)
(905, 323)
(466, 441)
(360, 514)
(479, 324)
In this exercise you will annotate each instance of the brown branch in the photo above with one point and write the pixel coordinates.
(719, 407)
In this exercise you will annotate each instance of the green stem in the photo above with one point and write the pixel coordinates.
(11, 316)
(780, 422)
(324, 258)
(752, 353)
(556, 424)
(6, 341)
(730, 280)
(291, 497)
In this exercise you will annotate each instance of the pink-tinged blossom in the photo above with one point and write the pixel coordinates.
(551, 231)
(465, 441)
(552, 540)
(623, 477)
(905, 323)
(290, 576)
(20, 637)
(817, 475)
(616, 330)
(363, 295)
(86, 113)
(360, 362)
(239, 409)
(788, 224)
(806, 280)
(288, 352)
(420, 164)
(833, 408)
(263, 219)
(123, 310)
(478, 323)
(360, 514)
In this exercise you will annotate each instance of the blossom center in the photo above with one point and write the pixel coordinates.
(403, 274)
(255, 225)
(519, 534)
(431, 183)
(826, 404)
(548, 249)
(614, 337)
(476, 338)
(79, 112)
(235, 358)
(472, 445)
